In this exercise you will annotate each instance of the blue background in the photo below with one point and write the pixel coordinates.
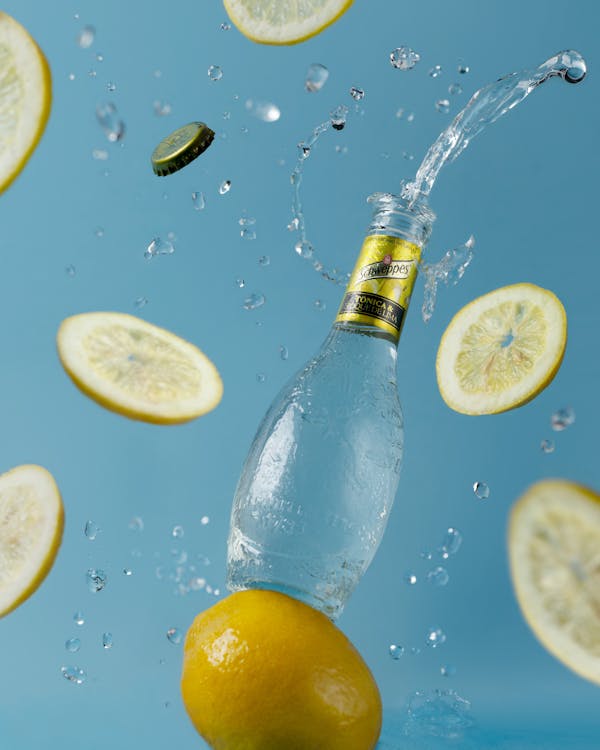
(527, 191)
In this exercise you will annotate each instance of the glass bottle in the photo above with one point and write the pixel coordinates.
(320, 478)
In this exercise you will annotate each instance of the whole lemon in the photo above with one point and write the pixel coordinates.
(263, 671)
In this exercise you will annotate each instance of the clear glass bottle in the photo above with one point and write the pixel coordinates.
(319, 481)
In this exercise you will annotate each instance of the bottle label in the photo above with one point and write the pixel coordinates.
(381, 284)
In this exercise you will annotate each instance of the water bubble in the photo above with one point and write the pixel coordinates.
(159, 247)
(576, 68)
(404, 58)
(254, 300)
(78, 618)
(73, 645)
(177, 532)
(99, 57)
(414, 651)
(161, 109)
(225, 26)
(260, 377)
(86, 37)
(395, 651)
(240, 283)
(463, 69)
(436, 71)
(454, 89)
(99, 232)
(197, 584)
(174, 636)
(225, 187)
(70, 270)
(426, 554)
(111, 86)
(547, 446)
(247, 234)
(265, 111)
(110, 122)
(96, 580)
(451, 542)
(215, 73)
(410, 578)
(198, 201)
(357, 94)
(283, 352)
(338, 117)
(316, 77)
(443, 106)
(107, 640)
(91, 530)
(438, 576)
(447, 670)
(136, 524)
(435, 637)
(76, 675)
(140, 302)
(179, 556)
(562, 418)
(481, 490)
(264, 260)
(205, 520)
(100, 154)
(71, 76)
(304, 249)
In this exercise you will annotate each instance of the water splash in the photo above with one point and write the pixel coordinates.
(486, 106)
(449, 270)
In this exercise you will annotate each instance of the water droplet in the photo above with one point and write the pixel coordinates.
(99, 57)
(404, 58)
(177, 532)
(426, 554)
(283, 352)
(198, 201)
(443, 106)
(96, 580)
(410, 578)
(547, 446)
(562, 419)
(260, 377)
(357, 94)
(438, 576)
(71, 76)
(451, 542)
(294, 224)
(225, 187)
(316, 77)
(215, 73)
(320, 305)
(161, 109)
(395, 651)
(111, 86)
(454, 89)
(159, 247)
(262, 110)
(247, 234)
(197, 584)
(140, 302)
(254, 300)
(264, 260)
(91, 530)
(86, 37)
(481, 490)
(205, 520)
(73, 645)
(240, 283)
(174, 635)
(435, 637)
(338, 117)
(225, 26)
(76, 675)
(436, 71)
(99, 232)
(343, 150)
(179, 556)
(107, 640)
(447, 670)
(303, 150)
(127, 572)
(78, 618)
(100, 154)
(110, 122)
(414, 651)
(304, 249)
(136, 524)
(70, 270)
(463, 69)
(408, 156)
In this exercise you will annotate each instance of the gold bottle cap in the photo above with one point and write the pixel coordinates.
(181, 147)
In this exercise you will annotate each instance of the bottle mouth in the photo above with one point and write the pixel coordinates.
(395, 213)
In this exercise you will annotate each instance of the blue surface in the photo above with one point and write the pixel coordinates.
(527, 190)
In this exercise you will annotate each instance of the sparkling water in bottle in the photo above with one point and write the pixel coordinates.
(319, 481)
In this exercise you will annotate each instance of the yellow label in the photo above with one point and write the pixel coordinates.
(381, 284)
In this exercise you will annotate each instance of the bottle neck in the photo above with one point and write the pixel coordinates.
(381, 284)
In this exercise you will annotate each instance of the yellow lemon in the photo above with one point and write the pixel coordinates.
(31, 526)
(284, 21)
(138, 369)
(25, 97)
(554, 551)
(501, 350)
(263, 671)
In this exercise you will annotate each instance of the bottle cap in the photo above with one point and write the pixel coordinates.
(181, 147)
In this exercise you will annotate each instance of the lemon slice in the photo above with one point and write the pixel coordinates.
(284, 21)
(25, 97)
(31, 526)
(137, 369)
(501, 350)
(554, 551)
